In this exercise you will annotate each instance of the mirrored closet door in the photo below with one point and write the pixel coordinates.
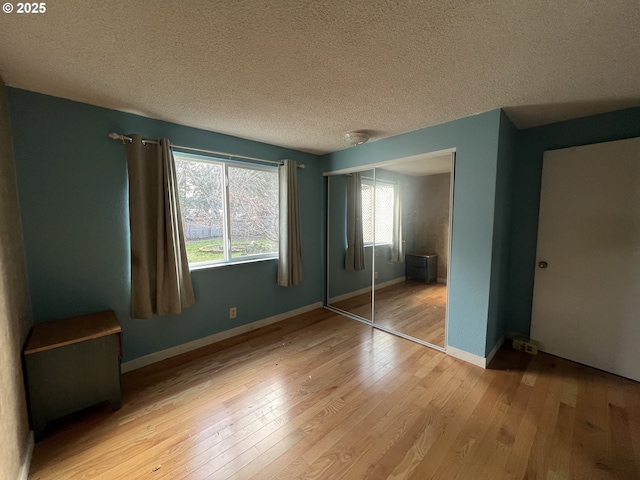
(406, 216)
(349, 258)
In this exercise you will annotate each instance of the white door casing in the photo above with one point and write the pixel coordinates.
(586, 302)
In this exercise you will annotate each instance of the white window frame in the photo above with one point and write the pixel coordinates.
(373, 183)
(226, 217)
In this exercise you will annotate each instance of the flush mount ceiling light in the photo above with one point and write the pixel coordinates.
(356, 138)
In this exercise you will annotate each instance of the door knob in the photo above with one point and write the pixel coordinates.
(543, 264)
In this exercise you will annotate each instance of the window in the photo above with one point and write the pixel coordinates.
(384, 206)
(229, 211)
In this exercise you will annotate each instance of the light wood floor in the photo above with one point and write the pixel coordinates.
(411, 307)
(358, 305)
(320, 396)
(414, 308)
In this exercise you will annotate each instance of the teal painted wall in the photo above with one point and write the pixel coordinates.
(530, 147)
(73, 193)
(498, 301)
(476, 141)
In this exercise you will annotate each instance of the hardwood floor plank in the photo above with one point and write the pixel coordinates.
(330, 418)
(538, 465)
(394, 435)
(491, 455)
(322, 396)
(520, 453)
(411, 307)
(273, 428)
(258, 431)
(359, 424)
(340, 456)
(621, 446)
(559, 455)
(312, 432)
(449, 430)
(590, 456)
(632, 400)
(436, 409)
(466, 443)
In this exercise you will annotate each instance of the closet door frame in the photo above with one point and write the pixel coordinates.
(426, 156)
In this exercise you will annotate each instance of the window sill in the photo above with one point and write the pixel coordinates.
(205, 266)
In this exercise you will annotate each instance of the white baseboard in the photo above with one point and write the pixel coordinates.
(355, 293)
(476, 360)
(472, 358)
(216, 337)
(388, 283)
(496, 348)
(344, 296)
(442, 280)
(26, 461)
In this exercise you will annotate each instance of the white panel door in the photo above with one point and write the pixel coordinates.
(586, 301)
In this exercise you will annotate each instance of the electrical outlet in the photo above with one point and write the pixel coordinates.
(376, 275)
(233, 312)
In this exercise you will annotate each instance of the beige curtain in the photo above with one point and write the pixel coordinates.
(397, 247)
(354, 258)
(160, 278)
(289, 247)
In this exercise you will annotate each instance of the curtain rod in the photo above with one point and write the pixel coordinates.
(124, 138)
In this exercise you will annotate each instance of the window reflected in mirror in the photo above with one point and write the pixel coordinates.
(388, 246)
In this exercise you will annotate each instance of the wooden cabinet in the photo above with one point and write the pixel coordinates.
(72, 364)
(422, 266)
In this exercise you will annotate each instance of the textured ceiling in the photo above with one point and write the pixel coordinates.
(301, 73)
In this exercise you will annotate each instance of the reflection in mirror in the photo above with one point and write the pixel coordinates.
(412, 246)
(349, 259)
